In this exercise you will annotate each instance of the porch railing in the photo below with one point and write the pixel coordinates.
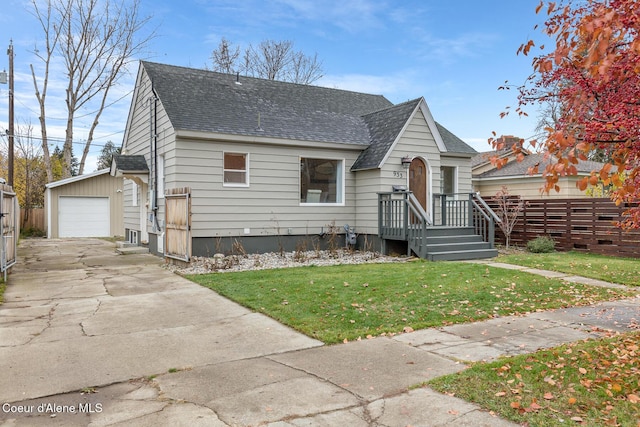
(401, 217)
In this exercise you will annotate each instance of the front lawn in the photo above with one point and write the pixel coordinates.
(593, 383)
(345, 302)
(625, 271)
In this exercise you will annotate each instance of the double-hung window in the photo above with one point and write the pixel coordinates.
(321, 181)
(448, 180)
(236, 170)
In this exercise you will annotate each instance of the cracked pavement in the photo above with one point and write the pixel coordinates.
(92, 338)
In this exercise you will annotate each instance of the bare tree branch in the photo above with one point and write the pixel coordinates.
(97, 40)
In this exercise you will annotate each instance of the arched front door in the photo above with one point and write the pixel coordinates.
(418, 181)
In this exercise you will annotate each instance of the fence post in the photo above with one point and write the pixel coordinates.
(443, 208)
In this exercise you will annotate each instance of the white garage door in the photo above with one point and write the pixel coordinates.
(83, 217)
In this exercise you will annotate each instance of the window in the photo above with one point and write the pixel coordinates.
(321, 181)
(448, 180)
(236, 170)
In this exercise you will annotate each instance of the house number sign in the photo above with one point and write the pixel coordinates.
(398, 174)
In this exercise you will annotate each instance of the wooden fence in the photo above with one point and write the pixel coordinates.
(32, 218)
(586, 225)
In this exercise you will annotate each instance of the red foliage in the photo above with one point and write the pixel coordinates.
(593, 71)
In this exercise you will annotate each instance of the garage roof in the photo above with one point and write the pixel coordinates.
(76, 178)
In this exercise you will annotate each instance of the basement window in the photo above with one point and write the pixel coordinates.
(236, 170)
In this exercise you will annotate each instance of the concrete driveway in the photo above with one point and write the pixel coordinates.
(89, 337)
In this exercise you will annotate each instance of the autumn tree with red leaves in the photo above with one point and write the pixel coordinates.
(593, 72)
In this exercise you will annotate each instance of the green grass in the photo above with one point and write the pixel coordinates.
(593, 383)
(625, 271)
(350, 301)
(3, 287)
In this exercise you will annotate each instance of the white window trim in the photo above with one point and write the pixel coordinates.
(341, 188)
(134, 193)
(160, 184)
(236, 184)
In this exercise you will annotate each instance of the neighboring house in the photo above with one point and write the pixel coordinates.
(488, 179)
(88, 205)
(217, 159)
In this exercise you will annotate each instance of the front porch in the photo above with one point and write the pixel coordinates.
(460, 226)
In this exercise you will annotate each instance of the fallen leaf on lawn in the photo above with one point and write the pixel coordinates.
(345, 341)
(515, 405)
(577, 419)
(572, 401)
(534, 407)
(633, 398)
(501, 393)
(582, 371)
(549, 396)
(407, 329)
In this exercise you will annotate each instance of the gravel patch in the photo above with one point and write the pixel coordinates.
(230, 263)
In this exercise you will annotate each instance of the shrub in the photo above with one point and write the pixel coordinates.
(541, 244)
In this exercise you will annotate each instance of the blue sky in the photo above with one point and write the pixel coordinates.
(455, 53)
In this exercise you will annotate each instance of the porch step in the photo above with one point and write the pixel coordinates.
(132, 250)
(453, 239)
(453, 244)
(462, 255)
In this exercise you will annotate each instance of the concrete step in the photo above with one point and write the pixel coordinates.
(124, 244)
(462, 255)
(132, 250)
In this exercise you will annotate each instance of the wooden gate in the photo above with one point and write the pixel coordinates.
(177, 213)
(8, 228)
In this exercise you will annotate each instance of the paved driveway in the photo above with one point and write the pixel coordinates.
(89, 337)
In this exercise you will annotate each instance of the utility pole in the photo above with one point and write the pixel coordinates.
(11, 133)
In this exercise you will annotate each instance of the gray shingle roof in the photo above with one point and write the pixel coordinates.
(200, 100)
(384, 127)
(130, 163)
(453, 143)
(515, 168)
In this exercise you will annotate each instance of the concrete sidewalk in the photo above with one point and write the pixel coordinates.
(119, 340)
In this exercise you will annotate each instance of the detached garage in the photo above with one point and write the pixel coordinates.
(88, 205)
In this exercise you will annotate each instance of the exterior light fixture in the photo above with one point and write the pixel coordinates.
(406, 162)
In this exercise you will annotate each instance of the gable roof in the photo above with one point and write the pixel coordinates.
(520, 169)
(206, 101)
(76, 178)
(128, 164)
(384, 127)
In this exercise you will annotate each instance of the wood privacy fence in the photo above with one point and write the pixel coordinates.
(586, 225)
(32, 218)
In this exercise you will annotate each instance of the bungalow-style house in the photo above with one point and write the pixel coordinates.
(514, 175)
(213, 160)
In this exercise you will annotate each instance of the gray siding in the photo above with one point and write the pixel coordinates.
(270, 205)
(416, 141)
(138, 142)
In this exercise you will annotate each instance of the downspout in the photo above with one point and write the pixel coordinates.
(153, 130)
